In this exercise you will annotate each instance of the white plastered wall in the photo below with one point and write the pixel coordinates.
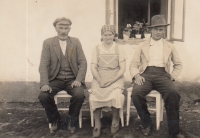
(25, 24)
(189, 50)
(13, 40)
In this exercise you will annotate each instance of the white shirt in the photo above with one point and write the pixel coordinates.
(63, 45)
(156, 53)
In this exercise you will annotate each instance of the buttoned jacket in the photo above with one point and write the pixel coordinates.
(51, 59)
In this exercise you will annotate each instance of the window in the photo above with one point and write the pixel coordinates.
(177, 20)
(122, 12)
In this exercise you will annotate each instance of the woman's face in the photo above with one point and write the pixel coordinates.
(107, 37)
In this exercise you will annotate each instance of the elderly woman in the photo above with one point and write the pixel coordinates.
(108, 66)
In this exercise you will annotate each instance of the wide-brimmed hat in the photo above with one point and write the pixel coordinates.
(158, 20)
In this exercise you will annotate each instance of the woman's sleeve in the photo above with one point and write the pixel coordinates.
(94, 56)
(122, 54)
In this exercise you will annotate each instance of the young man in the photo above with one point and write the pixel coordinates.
(62, 67)
(150, 69)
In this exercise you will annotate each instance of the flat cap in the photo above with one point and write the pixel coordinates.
(62, 19)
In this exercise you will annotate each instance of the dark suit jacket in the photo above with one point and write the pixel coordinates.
(50, 60)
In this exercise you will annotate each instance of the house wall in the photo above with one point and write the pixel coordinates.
(25, 24)
(189, 50)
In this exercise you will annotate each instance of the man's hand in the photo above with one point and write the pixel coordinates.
(172, 78)
(46, 88)
(139, 80)
(76, 84)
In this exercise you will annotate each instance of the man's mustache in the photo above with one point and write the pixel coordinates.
(63, 34)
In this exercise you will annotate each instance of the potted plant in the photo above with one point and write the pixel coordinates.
(137, 27)
(147, 32)
(127, 32)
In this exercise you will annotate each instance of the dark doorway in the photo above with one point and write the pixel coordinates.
(130, 11)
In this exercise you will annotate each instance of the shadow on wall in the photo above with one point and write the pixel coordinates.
(29, 91)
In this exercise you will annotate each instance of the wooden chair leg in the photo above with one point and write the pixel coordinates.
(128, 108)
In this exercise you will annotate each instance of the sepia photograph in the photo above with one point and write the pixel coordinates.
(99, 69)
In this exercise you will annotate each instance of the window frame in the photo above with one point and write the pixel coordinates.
(172, 26)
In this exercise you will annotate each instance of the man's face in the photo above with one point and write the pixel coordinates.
(158, 32)
(62, 29)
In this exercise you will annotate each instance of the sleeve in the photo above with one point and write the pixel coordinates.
(81, 62)
(94, 56)
(44, 64)
(135, 62)
(122, 54)
(177, 67)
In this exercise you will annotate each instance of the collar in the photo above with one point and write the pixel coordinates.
(102, 47)
(153, 42)
(61, 41)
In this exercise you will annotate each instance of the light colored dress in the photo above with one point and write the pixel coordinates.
(107, 67)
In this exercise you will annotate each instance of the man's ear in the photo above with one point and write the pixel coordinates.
(55, 28)
(70, 28)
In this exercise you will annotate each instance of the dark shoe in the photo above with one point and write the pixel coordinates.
(177, 136)
(72, 121)
(146, 131)
(54, 126)
(114, 129)
(71, 129)
(180, 136)
(96, 132)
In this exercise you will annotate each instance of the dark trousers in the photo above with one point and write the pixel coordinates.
(47, 99)
(156, 78)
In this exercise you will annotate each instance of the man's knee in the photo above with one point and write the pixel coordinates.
(43, 97)
(173, 91)
(173, 94)
(78, 93)
(136, 93)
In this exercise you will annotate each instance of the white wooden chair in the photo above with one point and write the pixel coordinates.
(159, 106)
(64, 94)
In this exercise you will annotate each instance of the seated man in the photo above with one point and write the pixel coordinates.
(62, 67)
(150, 69)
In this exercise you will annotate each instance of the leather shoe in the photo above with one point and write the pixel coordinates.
(146, 131)
(71, 129)
(177, 136)
(54, 126)
(71, 124)
(96, 132)
(114, 129)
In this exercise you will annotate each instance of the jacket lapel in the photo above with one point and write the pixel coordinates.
(57, 48)
(145, 49)
(70, 53)
(70, 50)
(166, 51)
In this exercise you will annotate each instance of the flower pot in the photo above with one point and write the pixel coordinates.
(147, 36)
(126, 37)
(138, 35)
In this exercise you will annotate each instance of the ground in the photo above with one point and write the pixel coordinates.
(28, 119)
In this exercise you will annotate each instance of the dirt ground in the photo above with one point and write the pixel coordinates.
(28, 120)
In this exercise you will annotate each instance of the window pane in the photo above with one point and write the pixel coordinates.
(178, 19)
